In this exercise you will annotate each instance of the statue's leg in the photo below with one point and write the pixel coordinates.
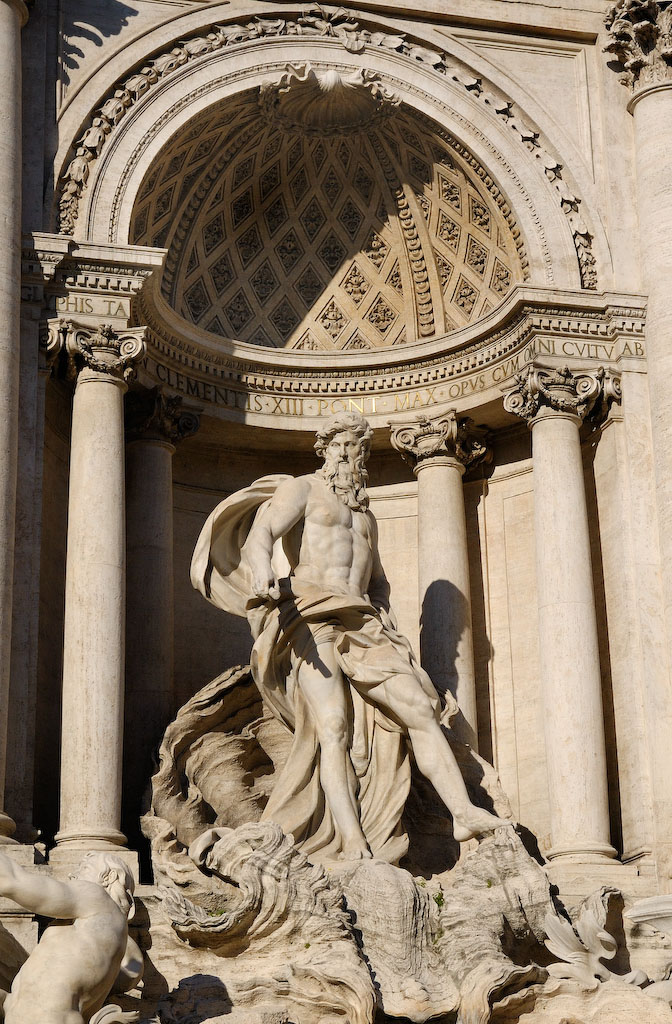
(405, 697)
(324, 689)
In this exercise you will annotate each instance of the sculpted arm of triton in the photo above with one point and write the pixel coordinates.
(286, 508)
(46, 896)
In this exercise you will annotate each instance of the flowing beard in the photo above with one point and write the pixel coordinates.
(348, 482)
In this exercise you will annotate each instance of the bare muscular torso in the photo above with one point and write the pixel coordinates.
(327, 542)
(336, 543)
(74, 964)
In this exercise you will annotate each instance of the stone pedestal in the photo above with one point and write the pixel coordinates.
(439, 451)
(93, 659)
(13, 15)
(154, 425)
(554, 403)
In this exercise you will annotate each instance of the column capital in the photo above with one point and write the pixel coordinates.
(428, 442)
(153, 416)
(102, 352)
(542, 391)
(640, 40)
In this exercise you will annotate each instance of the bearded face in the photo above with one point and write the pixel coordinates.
(344, 469)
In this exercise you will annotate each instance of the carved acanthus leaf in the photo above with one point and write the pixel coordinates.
(580, 394)
(640, 39)
(448, 437)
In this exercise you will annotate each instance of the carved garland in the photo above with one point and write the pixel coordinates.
(340, 26)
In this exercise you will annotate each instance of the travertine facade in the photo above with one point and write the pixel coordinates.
(224, 223)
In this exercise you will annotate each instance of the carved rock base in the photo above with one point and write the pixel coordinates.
(242, 928)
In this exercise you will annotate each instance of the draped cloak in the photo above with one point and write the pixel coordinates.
(368, 650)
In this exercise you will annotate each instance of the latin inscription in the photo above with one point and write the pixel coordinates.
(92, 305)
(412, 400)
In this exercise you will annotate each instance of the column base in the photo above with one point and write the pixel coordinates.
(583, 853)
(577, 879)
(101, 839)
(7, 829)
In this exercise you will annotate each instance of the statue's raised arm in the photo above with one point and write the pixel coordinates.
(75, 965)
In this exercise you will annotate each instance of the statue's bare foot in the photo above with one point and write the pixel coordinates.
(355, 849)
(474, 822)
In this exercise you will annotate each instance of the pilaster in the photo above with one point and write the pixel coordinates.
(155, 425)
(13, 15)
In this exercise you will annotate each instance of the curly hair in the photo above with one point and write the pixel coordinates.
(113, 874)
(344, 421)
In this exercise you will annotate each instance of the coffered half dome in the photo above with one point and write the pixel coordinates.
(329, 237)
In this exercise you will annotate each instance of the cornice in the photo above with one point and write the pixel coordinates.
(527, 311)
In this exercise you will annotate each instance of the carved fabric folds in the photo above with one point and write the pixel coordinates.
(368, 650)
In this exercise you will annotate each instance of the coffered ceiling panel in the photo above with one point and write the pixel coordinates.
(349, 240)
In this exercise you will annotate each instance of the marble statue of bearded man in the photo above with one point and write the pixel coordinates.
(327, 657)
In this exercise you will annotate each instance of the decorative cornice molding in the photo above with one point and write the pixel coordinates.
(640, 39)
(340, 26)
(103, 351)
(314, 102)
(150, 415)
(540, 390)
(432, 441)
(514, 329)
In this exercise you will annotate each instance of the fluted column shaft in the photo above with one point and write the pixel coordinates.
(13, 15)
(439, 451)
(155, 425)
(93, 646)
(554, 403)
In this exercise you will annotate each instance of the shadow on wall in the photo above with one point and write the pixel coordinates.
(443, 621)
(444, 611)
(483, 649)
(82, 29)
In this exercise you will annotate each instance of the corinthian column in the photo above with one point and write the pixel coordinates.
(554, 403)
(640, 44)
(13, 15)
(640, 41)
(95, 585)
(155, 424)
(439, 452)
